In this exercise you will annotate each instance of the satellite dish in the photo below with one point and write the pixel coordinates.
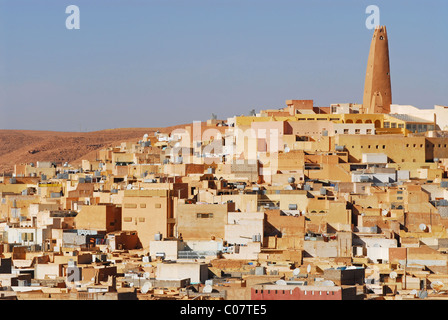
(145, 288)
(129, 186)
(384, 212)
(328, 283)
(207, 289)
(296, 272)
(287, 149)
(422, 227)
(422, 294)
(393, 275)
(281, 282)
(414, 292)
(6, 228)
(437, 285)
(177, 145)
(308, 269)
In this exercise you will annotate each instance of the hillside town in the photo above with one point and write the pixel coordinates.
(342, 202)
(299, 203)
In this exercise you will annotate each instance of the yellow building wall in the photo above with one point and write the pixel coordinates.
(328, 211)
(194, 221)
(147, 212)
(398, 148)
(98, 217)
(334, 172)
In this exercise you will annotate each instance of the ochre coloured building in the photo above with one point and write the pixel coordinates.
(377, 86)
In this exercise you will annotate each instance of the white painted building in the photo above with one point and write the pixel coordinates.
(374, 158)
(242, 226)
(439, 113)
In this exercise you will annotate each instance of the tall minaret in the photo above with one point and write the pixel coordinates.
(377, 88)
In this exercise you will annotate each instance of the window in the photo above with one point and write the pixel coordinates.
(127, 219)
(141, 219)
(157, 206)
(386, 124)
(204, 215)
(130, 205)
(357, 131)
(369, 131)
(393, 125)
(28, 236)
(345, 131)
(142, 205)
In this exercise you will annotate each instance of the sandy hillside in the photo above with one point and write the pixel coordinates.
(24, 146)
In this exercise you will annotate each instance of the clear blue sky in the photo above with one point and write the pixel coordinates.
(145, 63)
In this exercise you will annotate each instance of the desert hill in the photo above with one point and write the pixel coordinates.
(25, 146)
